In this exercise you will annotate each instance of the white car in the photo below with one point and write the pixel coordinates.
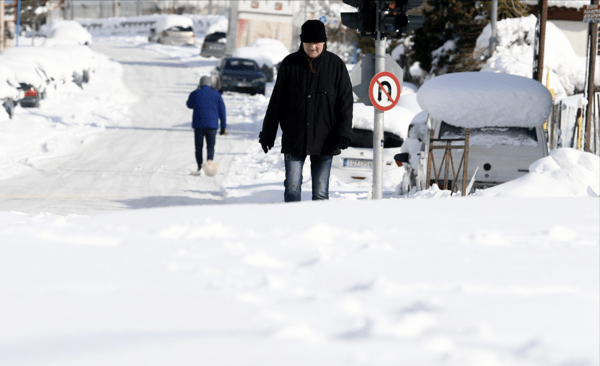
(67, 32)
(173, 30)
(504, 113)
(356, 162)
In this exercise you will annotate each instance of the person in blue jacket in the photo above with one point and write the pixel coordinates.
(209, 108)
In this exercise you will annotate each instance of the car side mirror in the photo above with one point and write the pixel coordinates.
(402, 157)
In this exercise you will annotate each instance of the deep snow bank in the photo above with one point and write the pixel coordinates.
(564, 173)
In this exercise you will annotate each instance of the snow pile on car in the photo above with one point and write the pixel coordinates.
(169, 21)
(485, 99)
(264, 51)
(67, 32)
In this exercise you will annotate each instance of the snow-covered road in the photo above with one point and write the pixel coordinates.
(143, 162)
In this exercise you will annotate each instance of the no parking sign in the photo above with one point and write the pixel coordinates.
(384, 91)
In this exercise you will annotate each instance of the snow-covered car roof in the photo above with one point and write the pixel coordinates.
(486, 99)
(265, 51)
(25, 70)
(56, 65)
(68, 31)
(168, 21)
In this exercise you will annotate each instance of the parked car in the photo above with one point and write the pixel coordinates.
(214, 45)
(267, 53)
(356, 162)
(27, 73)
(67, 32)
(238, 75)
(173, 30)
(31, 96)
(504, 113)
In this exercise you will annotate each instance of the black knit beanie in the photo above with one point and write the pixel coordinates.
(313, 31)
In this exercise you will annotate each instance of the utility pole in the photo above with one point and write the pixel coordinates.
(494, 37)
(593, 53)
(2, 44)
(18, 22)
(233, 29)
(540, 39)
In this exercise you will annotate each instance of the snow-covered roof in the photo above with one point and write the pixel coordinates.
(577, 4)
(485, 99)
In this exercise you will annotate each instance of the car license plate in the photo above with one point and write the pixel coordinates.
(358, 163)
(244, 84)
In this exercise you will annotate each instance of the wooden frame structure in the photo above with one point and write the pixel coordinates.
(447, 162)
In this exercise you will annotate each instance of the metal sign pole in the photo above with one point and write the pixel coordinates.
(378, 120)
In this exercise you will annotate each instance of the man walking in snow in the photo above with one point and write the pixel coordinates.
(209, 108)
(312, 102)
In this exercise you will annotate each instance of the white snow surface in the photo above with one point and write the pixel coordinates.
(485, 99)
(112, 254)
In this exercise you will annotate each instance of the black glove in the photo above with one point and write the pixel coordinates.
(223, 131)
(265, 147)
(344, 143)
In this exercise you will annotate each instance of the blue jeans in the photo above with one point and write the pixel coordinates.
(320, 167)
(211, 136)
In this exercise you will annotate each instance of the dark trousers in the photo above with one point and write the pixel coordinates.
(210, 134)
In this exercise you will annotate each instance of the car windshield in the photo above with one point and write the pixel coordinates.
(364, 138)
(180, 29)
(241, 65)
(490, 136)
(214, 37)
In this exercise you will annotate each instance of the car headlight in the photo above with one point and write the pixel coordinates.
(259, 81)
(226, 78)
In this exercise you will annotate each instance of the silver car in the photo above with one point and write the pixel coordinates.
(214, 45)
(173, 30)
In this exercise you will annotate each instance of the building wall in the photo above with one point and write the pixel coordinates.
(277, 19)
(576, 32)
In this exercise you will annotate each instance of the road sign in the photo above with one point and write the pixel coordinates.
(384, 91)
(363, 72)
(591, 13)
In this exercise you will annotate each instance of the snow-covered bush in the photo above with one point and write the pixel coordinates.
(514, 54)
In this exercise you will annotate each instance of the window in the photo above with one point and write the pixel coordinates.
(215, 37)
(242, 65)
(490, 136)
(364, 138)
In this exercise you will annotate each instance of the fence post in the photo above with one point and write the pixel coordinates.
(466, 160)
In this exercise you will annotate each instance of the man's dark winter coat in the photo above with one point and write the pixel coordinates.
(313, 109)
